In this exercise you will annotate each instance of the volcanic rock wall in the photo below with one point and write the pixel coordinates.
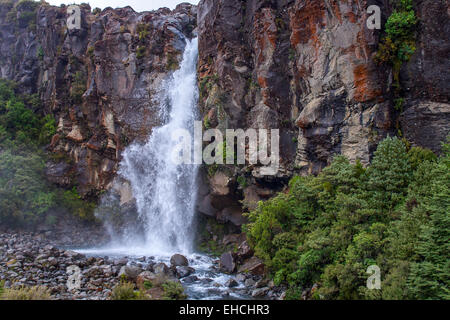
(100, 81)
(305, 67)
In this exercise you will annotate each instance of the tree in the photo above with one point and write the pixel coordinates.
(389, 175)
(430, 276)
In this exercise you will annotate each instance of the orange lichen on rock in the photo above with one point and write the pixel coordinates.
(364, 86)
(305, 21)
(265, 31)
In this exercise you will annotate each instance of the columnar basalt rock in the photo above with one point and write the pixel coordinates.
(425, 119)
(308, 68)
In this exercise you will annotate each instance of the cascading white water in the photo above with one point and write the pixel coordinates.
(165, 192)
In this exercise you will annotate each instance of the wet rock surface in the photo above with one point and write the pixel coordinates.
(178, 260)
(307, 68)
(28, 260)
(99, 81)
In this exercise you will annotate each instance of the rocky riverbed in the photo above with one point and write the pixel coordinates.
(31, 259)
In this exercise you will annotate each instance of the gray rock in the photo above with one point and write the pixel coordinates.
(231, 283)
(72, 254)
(227, 263)
(254, 265)
(241, 277)
(206, 280)
(244, 251)
(148, 276)
(249, 283)
(121, 262)
(261, 283)
(161, 268)
(178, 260)
(190, 279)
(130, 272)
(52, 261)
(261, 292)
(183, 272)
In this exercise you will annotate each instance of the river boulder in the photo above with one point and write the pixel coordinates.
(130, 272)
(227, 262)
(178, 260)
(184, 271)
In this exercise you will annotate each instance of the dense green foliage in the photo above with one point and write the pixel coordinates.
(327, 230)
(25, 196)
(398, 42)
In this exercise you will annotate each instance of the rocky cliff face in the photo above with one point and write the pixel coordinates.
(307, 67)
(303, 66)
(99, 80)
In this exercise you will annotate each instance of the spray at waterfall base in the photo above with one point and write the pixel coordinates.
(161, 174)
(233, 149)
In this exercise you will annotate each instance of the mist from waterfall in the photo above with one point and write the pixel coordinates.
(165, 192)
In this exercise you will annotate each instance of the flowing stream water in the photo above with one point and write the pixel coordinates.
(165, 192)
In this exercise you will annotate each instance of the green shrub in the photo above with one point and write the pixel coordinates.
(48, 129)
(173, 291)
(78, 87)
(398, 44)
(40, 53)
(148, 285)
(71, 200)
(90, 52)
(401, 24)
(206, 123)
(124, 291)
(242, 182)
(143, 31)
(26, 293)
(417, 156)
(140, 53)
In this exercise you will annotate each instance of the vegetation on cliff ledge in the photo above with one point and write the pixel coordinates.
(26, 198)
(399, 43)
(327, 230)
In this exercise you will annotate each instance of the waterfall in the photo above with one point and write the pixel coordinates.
(165, 192)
